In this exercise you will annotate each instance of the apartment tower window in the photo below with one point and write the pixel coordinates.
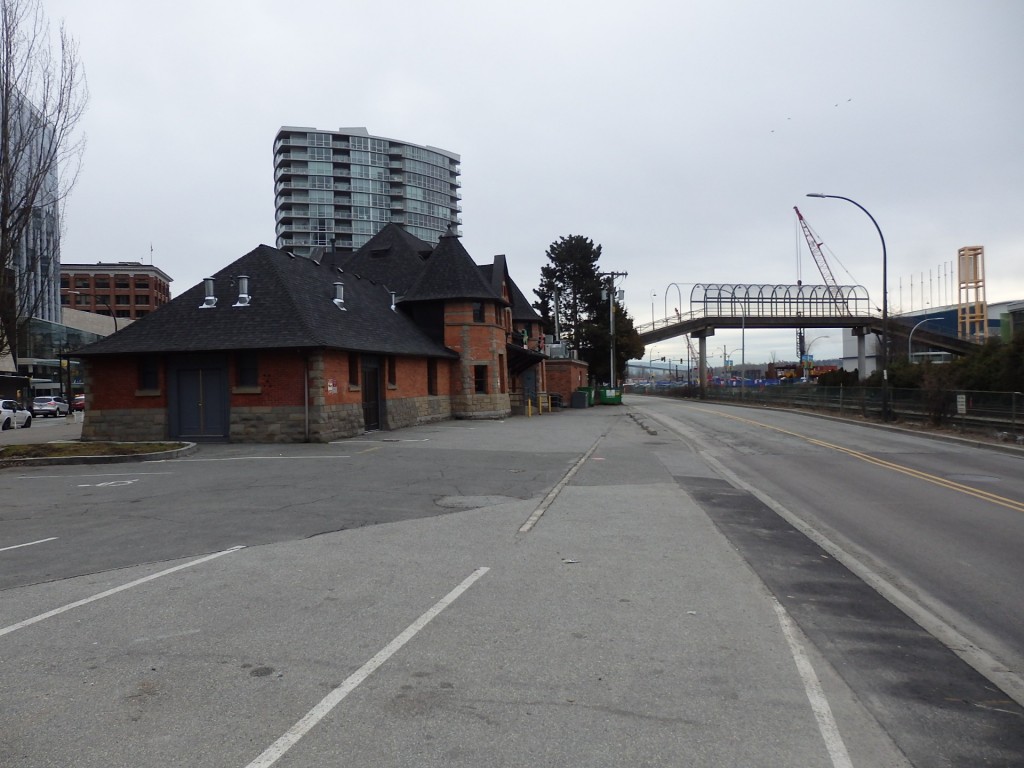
(339, 188)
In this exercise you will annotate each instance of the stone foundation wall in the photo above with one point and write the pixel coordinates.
(268, 424)
(494, 406)
(335, 422)
(410, 411)
(133, 425)
(286, 424)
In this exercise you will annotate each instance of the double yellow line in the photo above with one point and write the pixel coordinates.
(968, 490)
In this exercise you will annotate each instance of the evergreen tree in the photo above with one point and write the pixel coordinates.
(573, 276)
(583, 312)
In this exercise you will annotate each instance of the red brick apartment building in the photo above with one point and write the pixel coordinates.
(124, 289)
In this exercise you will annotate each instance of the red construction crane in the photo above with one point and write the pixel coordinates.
(815, 246)
(826, 274)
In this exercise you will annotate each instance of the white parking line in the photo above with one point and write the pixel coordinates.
(105, 474)
(276, 750)
(350, 441)
(28, 544)
(114, 591)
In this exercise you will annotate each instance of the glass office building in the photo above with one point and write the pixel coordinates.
(337, 189)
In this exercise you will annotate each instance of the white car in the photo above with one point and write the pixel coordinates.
(50, 405)
(14, 415)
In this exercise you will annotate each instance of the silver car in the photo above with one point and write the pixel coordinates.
(13, 415)
(50, 405)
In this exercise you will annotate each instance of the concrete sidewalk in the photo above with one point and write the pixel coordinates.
(44, 430)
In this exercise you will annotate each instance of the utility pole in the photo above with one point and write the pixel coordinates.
(611, 321)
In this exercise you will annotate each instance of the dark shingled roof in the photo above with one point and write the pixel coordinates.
(450, 273)
(291, 306)
(495, 274)
(392, 256)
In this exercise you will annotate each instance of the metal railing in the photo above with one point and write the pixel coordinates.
(1000, 414)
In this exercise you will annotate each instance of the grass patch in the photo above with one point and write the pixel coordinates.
(71, 449)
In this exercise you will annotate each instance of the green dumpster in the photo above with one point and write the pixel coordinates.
(611, 397)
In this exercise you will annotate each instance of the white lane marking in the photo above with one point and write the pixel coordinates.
(276, 750)
(386, 440)
(812, 687)
(981, 660)
(114, 591)
(550, 498)
(260, 458)
(28, 544)
(108, 484)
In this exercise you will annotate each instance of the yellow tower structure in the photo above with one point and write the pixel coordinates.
(973, 310)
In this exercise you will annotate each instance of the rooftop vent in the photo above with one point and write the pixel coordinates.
(339, 296)
(244, 299)
(392, 301)
(210, 301)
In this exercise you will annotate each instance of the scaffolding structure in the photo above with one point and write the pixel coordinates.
(972, 312)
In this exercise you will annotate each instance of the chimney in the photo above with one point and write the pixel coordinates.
(210, 301)
(339, 296)
(244, 299)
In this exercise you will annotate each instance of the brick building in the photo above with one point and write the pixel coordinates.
(126, 289)
(276, 347)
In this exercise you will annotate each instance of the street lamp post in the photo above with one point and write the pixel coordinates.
(110, 309)
(807, 353)
(885, 302)
(910, 338)
(743, 349)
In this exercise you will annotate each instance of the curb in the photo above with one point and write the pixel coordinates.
(123, 458)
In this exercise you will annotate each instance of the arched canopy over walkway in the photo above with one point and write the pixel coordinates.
(753, 301)
(727, 305)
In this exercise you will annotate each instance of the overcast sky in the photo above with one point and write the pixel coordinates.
(678, 135)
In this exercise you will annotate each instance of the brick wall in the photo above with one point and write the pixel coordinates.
(281, 381)
(275, 409)
(116, 409)
(477, 344)
(564, 376)
(114, 383)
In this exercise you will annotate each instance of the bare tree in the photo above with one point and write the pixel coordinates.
(43, 94)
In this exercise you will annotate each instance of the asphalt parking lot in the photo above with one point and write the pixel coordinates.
(520, 592)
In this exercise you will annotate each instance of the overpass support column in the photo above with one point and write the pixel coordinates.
(862, 360)
(702, 364)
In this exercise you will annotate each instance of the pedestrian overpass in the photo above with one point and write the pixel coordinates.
(719, 305)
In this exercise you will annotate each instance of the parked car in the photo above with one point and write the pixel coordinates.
(13, 414)
(78, 404)
(47, 405)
